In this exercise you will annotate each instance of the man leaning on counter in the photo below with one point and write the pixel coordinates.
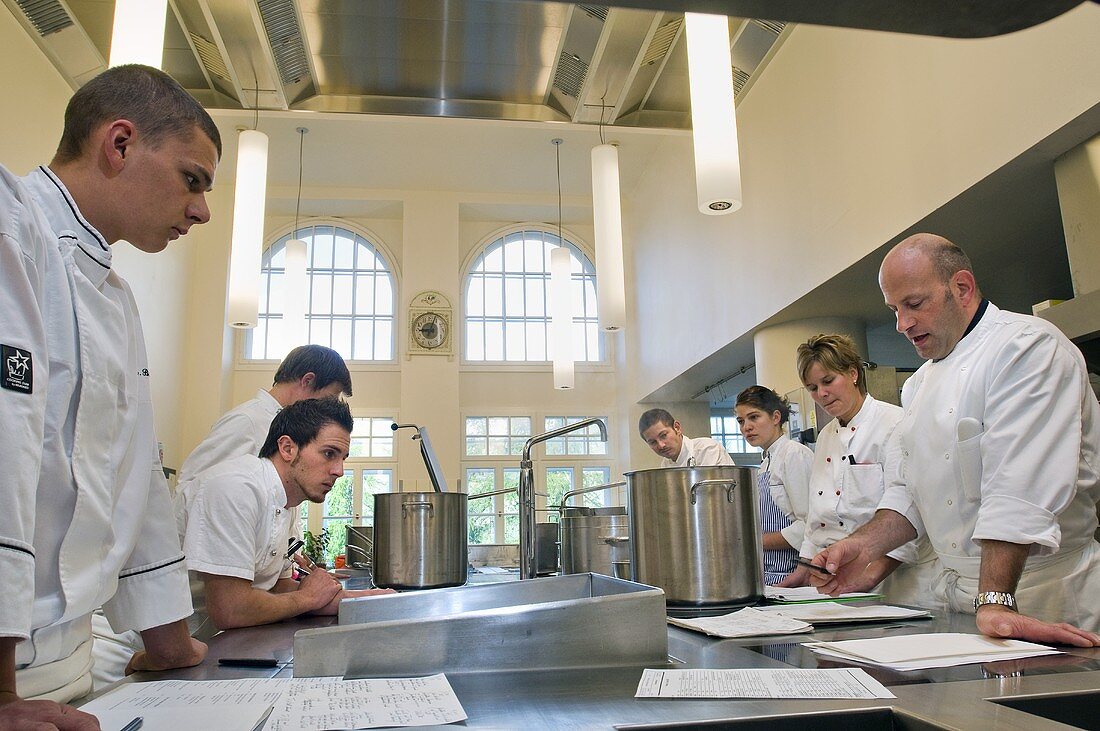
(239, 514)
(86, 518)
(999, 456)
(666, 438)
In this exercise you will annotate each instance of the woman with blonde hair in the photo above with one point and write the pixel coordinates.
(849, 471)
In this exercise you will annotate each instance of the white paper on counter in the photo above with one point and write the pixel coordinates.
(747, 622)
(316, 704)
(838, 683)
(933, 650)
(826, 612)
(810, 594)
(300, 704)
(203, 705)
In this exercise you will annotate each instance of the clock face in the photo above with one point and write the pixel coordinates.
(430, 330)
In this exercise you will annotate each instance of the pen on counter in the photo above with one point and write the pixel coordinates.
(134, 725)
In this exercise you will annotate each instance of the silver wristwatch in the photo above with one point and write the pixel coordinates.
(995, 597)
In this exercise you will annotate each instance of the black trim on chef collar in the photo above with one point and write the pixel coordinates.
(973, 324)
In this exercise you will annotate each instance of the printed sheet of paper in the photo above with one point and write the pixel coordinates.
(180, 705)
(747, 622)
(933, 650)
(838, 683)
(811, 594)
(300, 704)
(315, 704)
(827, 612)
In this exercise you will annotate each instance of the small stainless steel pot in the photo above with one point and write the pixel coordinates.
(419, 540)
(696, 534)
(594, 540)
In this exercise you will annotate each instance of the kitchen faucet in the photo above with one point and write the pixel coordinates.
(527, 493)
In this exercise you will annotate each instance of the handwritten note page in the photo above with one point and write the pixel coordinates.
(839, 683)
(300, 704)
(331, 703)
(746, 622)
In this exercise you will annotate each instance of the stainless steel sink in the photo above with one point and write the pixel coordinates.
(1081, 710)
(581, 620)
(865, 719)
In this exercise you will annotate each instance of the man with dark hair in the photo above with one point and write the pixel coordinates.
(665, 437)
(308, 371)
(85, 518)
(238, 519)
(999, 453)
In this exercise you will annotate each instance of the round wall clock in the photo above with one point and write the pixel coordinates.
(430, 330)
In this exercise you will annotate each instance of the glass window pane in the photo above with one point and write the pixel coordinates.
(383, 296)
(511, 529)
(559, 480)
(521, 425)
(382, 447)
(534, 253)
(374, 482)
(498, 425)
(480, 479)
(514, 341)
(322, 247)
(513, 256)
(475, 340)
(498, 445)
(364, 340)
(480, 530)
(259, 339)
(513, 296)
(476, 446)
(383, 340)
(536, 341)
(536, 297)
(476, 425)
(494, 296)
(494, 260)
(321, 301)
(341, 337)
(555, 447)
(380, 427)
(338, 501)
(344, 257)
(341, 294)
(278, 254)
(364, 293)
(475, 298)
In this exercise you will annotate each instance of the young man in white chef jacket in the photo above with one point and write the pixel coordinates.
(239, 516)
(665, 437)
(86, 519)
(1000, 450)
(308, 371)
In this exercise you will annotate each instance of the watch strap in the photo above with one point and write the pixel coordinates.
(1003, 598)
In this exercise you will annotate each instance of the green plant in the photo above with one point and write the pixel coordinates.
(316, 546)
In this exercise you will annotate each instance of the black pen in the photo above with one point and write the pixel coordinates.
(851, 458)
(134, 725)
(294, 546)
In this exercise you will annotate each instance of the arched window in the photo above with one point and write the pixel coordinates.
(351, 296)
(507, 300)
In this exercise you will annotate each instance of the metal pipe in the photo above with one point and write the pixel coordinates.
(582, 490)
(527, 492)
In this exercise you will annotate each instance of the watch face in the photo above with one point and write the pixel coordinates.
(430, 330)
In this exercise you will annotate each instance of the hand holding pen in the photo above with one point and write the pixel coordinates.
(305, 566)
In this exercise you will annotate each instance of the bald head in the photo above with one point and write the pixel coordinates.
(929, 284)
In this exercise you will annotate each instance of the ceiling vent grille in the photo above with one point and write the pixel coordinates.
(772, 26)
(662, 41)
(599, 12)
(570, 75)
(211, 58)
(285, 37)
(740, 78)
(47, 16)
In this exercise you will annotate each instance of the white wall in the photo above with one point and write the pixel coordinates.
(848, 138)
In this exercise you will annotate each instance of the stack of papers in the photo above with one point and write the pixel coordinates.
(840, 683)
(918, 652)
(833, 612)
(811, 594)
(287, 704)
(746, 622)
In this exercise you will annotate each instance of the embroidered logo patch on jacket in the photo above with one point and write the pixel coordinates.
(16, 369)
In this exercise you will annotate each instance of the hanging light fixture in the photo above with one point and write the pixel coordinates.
(608, 219)
(249, 198)
(137, 35)
(296, 278)
(714, 127)
(561, 300)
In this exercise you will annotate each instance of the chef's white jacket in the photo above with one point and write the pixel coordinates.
(699, 452)
(242, 430)
(237, 523)
(789, 465)
(85, 518)
(1000, 440)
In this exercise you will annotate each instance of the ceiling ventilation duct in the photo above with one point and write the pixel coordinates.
(47, 16)
(662, 41)
(285, 38)
(570, 75)
(211, 58)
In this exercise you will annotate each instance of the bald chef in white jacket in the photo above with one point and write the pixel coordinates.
(666, 438)
(1000, 447)
(85, 518)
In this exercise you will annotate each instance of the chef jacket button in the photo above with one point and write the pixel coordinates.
(853, 428)
(947, 455)
(951, 411)
(953, 545)
(278, 511)
(274, 553)
(822, 525)
(821, 492)
(828, 459)
(841, 522)
(906, 453)
(950, 502)
(838, 492)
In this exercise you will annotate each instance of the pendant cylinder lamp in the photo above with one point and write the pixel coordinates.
(297, 289)
(608, 219)
(248, 228)
(714, 127)
(137, 35)
(561, 316)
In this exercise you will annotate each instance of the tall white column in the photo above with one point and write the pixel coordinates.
(776, 348)
(1077, 173)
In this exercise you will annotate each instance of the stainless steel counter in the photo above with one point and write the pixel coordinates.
(604, 697)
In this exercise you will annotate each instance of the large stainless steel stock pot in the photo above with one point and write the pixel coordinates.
(695, 533)
(420, 540)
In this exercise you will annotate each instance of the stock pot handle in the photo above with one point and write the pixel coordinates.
(729, 492)
(419, 505)
(612, 540)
